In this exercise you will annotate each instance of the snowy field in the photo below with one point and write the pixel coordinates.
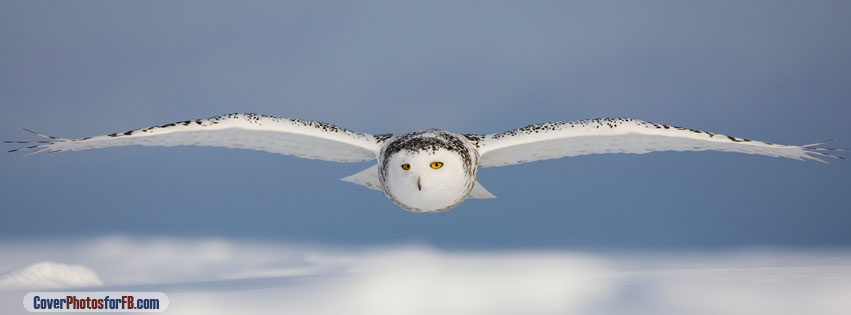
(206, 276)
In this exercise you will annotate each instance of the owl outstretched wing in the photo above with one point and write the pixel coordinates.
(620, 135)
(301, 138)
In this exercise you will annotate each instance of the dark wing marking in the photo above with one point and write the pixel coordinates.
(302, 138)
(622, 135)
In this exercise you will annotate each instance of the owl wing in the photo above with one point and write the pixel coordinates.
(619, 135)
(301, 138)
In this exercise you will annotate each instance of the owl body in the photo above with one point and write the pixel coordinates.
(427, 170)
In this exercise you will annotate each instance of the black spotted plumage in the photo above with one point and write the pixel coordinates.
(429, 140)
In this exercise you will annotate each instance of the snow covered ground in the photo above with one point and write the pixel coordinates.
(209, 276)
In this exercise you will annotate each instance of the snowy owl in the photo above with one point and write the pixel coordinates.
(428, 170)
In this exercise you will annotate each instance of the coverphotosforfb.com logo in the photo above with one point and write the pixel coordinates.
(96, 302)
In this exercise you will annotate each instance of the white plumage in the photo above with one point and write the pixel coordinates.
(407, 168)
(621, 135)
(301, 138)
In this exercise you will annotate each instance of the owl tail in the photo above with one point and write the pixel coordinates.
(367, 178)
(479, 192)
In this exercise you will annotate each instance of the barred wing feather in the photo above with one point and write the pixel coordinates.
(620, 135)
(301, 138)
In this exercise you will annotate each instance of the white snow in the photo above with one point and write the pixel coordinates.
(210, 276)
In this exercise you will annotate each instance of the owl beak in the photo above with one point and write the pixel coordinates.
(419, 186)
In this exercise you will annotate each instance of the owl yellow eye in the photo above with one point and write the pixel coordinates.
(406, 166)
(436, 165)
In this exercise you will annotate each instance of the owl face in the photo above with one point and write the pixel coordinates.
(427, 170)
(426, 180)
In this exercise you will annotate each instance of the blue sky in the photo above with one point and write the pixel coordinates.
(777, 71)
